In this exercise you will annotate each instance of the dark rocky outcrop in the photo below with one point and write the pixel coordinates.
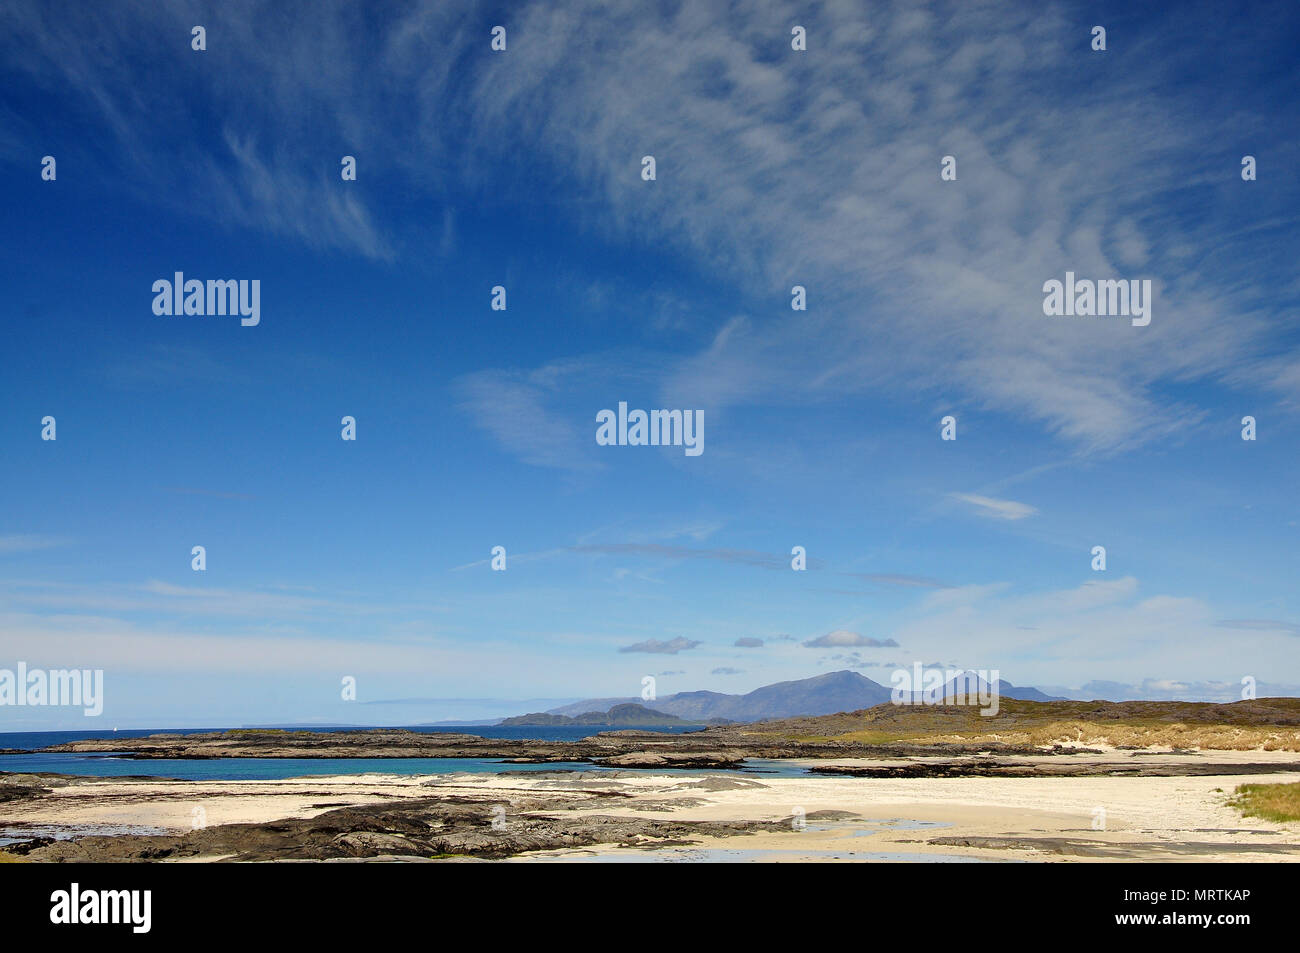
(674, 759)
(442, 828)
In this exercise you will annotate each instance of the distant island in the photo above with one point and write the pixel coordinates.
(626, 715)
(824, 694)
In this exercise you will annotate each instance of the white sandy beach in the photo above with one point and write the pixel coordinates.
(1049, 819)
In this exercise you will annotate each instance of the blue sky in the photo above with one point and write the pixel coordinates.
(476, 428)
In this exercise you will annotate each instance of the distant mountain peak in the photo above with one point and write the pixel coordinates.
(827, 693)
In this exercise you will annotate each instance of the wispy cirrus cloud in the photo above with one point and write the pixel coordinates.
(827, 175)
(513, 409)
(995, 508)
(1103, 627)
(818, 168)
(221, 170)
(167, 599)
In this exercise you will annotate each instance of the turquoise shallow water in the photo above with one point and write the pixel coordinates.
(30, 740)
(29, 761)
(270, 769)
(253, 769)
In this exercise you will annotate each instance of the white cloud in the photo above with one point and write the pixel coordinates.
(513, 409)
(843, 638)
(774, 168)
(1100, 629)
(994, 508)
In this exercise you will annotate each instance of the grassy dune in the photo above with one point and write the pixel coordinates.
(1273, 802)
(1270, 724)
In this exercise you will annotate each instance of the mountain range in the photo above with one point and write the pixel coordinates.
(628, 714)
(819, 695)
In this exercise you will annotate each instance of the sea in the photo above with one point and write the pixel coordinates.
(109, 765)
(29, 760)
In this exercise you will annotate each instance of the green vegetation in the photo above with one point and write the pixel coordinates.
(1272, 802)
(10, 859)
(1269, 724)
